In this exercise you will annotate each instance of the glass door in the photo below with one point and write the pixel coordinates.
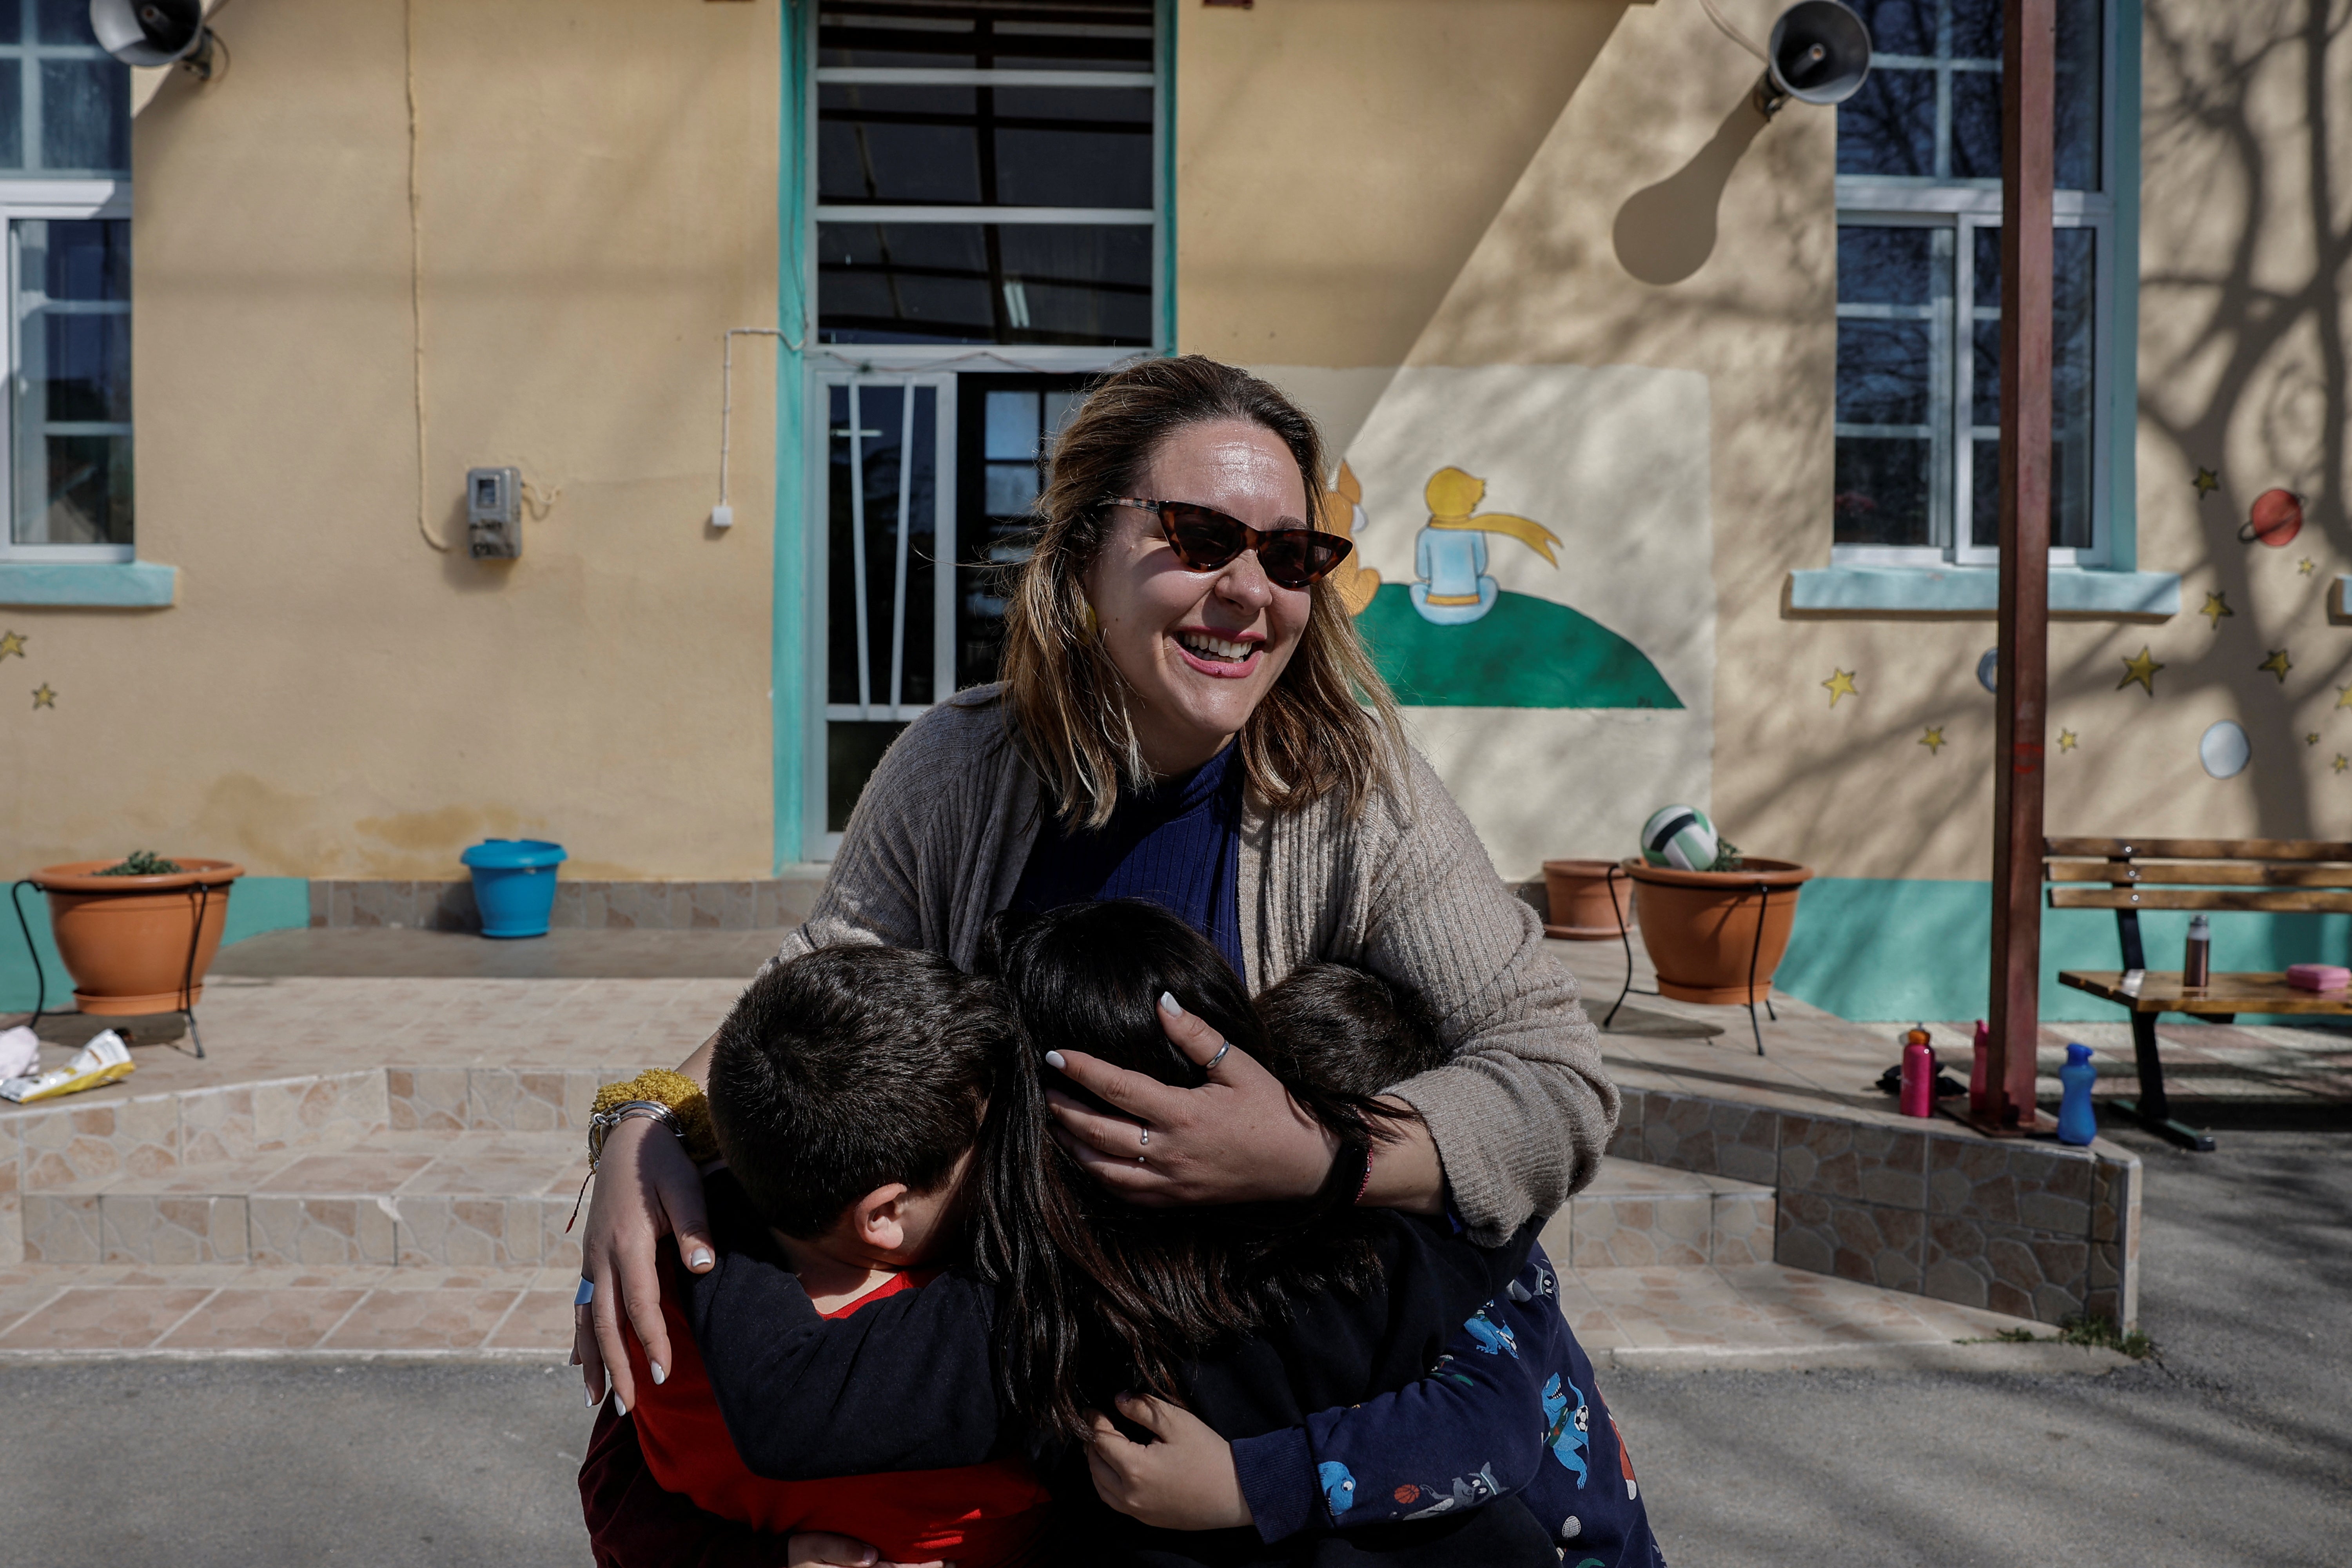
(884, 556)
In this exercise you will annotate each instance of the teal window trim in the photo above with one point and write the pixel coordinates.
(2100, 592)
(2123, 364)
(88, 584)
(1163, 195)
(788, 653)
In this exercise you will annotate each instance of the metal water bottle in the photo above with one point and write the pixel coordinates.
(1919, 1073)
(2077, 1122)
(1979, 1095)
(2197, 964)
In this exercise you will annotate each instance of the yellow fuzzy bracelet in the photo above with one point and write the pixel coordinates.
(680, 1093)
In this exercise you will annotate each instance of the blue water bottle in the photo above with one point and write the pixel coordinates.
(2077, 1125)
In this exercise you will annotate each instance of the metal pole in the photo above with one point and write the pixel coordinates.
(2028, 153)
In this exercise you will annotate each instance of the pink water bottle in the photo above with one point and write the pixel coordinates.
(1978, 1093)
(1919, 1073)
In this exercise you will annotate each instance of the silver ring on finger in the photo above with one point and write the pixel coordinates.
(1210, 1065)
(585, 1294)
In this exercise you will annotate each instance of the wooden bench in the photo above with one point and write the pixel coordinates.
(2282, 875)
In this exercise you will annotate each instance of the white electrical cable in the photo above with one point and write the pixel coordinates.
(1734, 34)
(727, 398)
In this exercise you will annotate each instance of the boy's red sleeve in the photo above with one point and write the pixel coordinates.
(634, 1523)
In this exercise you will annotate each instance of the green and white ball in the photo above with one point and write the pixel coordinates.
(1680, 837)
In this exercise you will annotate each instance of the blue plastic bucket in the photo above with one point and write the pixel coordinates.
(514, 884)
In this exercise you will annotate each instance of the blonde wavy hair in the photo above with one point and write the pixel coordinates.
(1328, 724)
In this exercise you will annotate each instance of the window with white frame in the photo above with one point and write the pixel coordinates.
(985, 172)
(1918, 301)
(65, 195)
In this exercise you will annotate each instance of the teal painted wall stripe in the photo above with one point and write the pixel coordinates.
(2123, 362)
(94, 584)
(1895, 951)
(788, 617)
(256, 904)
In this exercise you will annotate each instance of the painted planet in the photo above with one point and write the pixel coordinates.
(2276, 519)
(2224, 750)
(1988, 671)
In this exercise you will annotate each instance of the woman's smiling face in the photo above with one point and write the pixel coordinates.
(1201, 648)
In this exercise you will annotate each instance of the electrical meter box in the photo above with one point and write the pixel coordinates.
(494, 512)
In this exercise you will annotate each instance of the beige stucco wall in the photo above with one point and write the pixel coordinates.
(595, 204)
(1622, 130)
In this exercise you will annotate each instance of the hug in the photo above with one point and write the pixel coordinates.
(1137, 1155)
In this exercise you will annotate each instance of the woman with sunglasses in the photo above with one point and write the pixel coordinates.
(1188, 715)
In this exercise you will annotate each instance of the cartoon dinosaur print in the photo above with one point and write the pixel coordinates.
(1494, 1338)
(1545, 1288)
(1569, 1432)
(1338, 1487)
(1467, 1490)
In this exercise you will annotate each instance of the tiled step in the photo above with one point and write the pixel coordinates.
(1638, 1216)
(450, 1199)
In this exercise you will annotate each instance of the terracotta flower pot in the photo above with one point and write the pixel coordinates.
(127, 941)
(1585, 907)
(1700, 927)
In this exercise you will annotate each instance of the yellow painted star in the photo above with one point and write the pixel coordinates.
(1933, 739)
(2207, 481)
(2067, 740)
(2278, 664)
(2142, 669)
(2216, 607)
(1840, 684)
(43, 697)
(12, 642)
(2303, 566)
(2312, 739)
(2341, 764)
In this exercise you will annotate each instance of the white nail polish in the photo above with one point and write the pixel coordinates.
(1168, 1005)
(700, 1260)
(593, 1400)
(660, 1377)
(1054, 1061)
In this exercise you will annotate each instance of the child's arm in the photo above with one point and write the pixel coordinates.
(1471, 1431)
(905, 1384)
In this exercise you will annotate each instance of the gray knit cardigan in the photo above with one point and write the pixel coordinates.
(1521, 1115)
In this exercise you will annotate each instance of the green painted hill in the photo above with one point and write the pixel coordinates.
(1523, 653)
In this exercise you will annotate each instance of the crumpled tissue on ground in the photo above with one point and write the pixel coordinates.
(106, 1059)
(20, 1052)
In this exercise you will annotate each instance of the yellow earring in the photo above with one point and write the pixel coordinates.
(1094, 622)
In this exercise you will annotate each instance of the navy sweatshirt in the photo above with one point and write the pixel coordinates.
(1178, 846)
(907, 1384)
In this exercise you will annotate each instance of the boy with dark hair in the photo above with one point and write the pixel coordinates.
(846, 1092)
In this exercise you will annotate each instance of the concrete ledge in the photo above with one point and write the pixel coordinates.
(2040, 1358)
(1975, 592)
(88, 584)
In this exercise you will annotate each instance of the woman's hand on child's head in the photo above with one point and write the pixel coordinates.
(1239, 1137)
(1184, 1480)
(646, 1189)
(815, 1549)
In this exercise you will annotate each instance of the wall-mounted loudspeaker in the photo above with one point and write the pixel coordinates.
(154, 33)
(1820, 53)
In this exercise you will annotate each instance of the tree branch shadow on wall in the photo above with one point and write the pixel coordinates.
(1666, 232)
(2269, 342)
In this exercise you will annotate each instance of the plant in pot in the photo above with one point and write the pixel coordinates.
(136, 934)
(1717, 923)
